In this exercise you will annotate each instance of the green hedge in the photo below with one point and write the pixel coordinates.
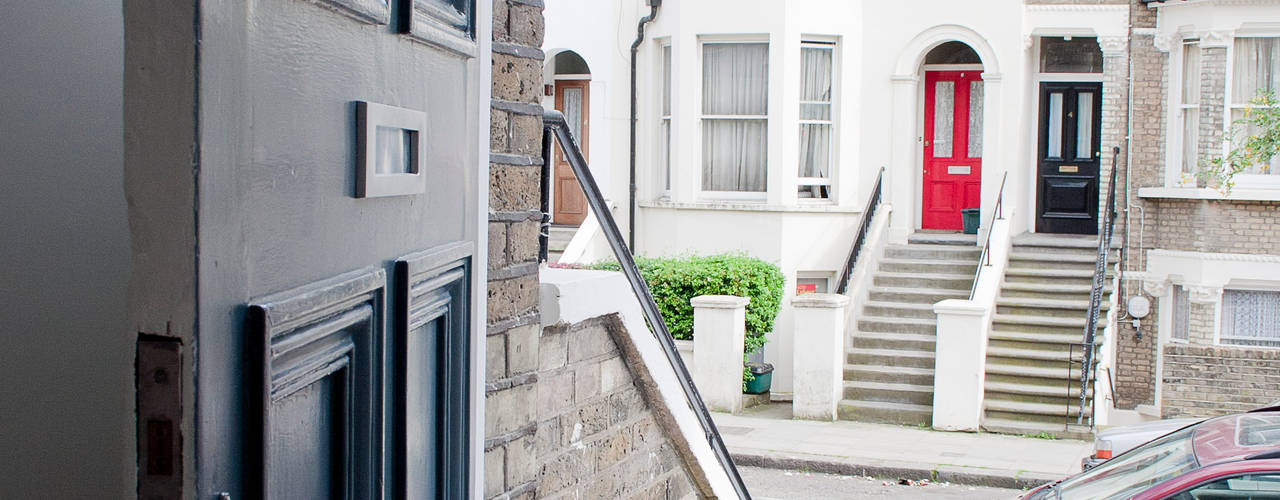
(674, 281)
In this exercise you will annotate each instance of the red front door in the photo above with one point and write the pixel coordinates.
(952, 147)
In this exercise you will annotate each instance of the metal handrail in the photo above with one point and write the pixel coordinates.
(873, 203)
(1099, 279)
(553, 123)
(984, 259)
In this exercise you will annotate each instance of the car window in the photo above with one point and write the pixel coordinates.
(1129, 473)
(1247, 487)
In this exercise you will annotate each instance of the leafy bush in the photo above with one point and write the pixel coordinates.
(674, 281)
(1254, 139)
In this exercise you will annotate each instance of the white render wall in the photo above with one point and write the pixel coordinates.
(878, 109)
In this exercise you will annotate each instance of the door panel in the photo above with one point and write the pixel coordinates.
(1068, 158)
(952, 147)
(317, 378)
(429, 409)
(570, 203)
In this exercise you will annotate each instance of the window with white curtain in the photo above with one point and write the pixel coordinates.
(1181, 314)
(664, 135)
(1255, 68)
(735, 90)
(1189, 104)
(1250, 318)
(816, 61)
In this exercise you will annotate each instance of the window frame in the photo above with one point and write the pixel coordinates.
(1182, 107)
(1220, 331)
(666, 95)
(714, 195)
(1252, 181)
(1180, 294)
(833, 163)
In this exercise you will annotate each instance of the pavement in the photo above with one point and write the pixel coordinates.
(775, 484)
(765, 436)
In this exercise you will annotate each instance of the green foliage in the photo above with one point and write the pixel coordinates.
(674, 281)
(1262, 115)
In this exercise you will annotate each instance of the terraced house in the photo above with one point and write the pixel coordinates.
(1206, 258)
(848, 146)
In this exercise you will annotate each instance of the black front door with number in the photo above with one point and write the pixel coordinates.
(1067, 160)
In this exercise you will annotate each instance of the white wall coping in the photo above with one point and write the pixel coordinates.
(719, 301)
(1190, 193)
(820, 301)
(574, 295)
(746, 206)
(959, 307)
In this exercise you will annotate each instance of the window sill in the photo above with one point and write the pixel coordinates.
(749, 206)
(1189, 193)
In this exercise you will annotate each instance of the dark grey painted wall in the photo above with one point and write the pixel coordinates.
(66, 352)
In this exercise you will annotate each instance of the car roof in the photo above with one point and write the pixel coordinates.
(1236, 436)
(1206, 474)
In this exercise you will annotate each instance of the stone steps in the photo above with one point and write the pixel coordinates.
(890, 358)
(1033, 355)
(886, 412)
(558, 240)
(915, 295)
(879, 373)
(894, 340)
(889, 392)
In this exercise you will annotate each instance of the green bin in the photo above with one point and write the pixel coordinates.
(972, 218)
(763, 373)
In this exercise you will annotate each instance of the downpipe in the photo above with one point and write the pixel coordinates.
(631, 190)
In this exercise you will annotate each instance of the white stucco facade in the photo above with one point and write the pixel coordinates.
(877, 114)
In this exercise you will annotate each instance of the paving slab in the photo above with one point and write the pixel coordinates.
(766, 436)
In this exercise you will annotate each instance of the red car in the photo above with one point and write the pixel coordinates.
(1231, 457)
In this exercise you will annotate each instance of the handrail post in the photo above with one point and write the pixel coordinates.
(544, 188)
(1099, 278)
(984, 259)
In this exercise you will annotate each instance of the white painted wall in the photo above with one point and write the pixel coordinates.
(878, 97)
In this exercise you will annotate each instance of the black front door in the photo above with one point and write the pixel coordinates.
(1067, 162)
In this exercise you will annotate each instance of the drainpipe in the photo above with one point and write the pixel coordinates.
(635, 48)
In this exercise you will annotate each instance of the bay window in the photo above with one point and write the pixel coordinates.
(1255, 68)
(735, 89)
(816, 60)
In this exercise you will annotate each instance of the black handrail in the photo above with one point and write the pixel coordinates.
(873, 203)
(553, 123)
(1099, 279)
(984, 259)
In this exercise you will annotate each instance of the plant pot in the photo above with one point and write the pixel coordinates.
(763, 373)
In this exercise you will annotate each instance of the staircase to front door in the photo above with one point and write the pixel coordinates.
(888, 373)
(1034, 349)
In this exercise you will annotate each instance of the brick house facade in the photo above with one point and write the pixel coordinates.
(1202, 257)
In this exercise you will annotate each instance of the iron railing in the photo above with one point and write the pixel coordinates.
(1099, 281)
(984, 259)
(873, 203)
(554, 125)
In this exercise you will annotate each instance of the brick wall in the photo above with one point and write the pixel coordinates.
(1213, 92)
(515, 167)
(1216, 226)
(1204, 381)
(1201, 319)
(597, 435)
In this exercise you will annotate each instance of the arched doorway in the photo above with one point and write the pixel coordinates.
(952, 135)
(571, 88)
